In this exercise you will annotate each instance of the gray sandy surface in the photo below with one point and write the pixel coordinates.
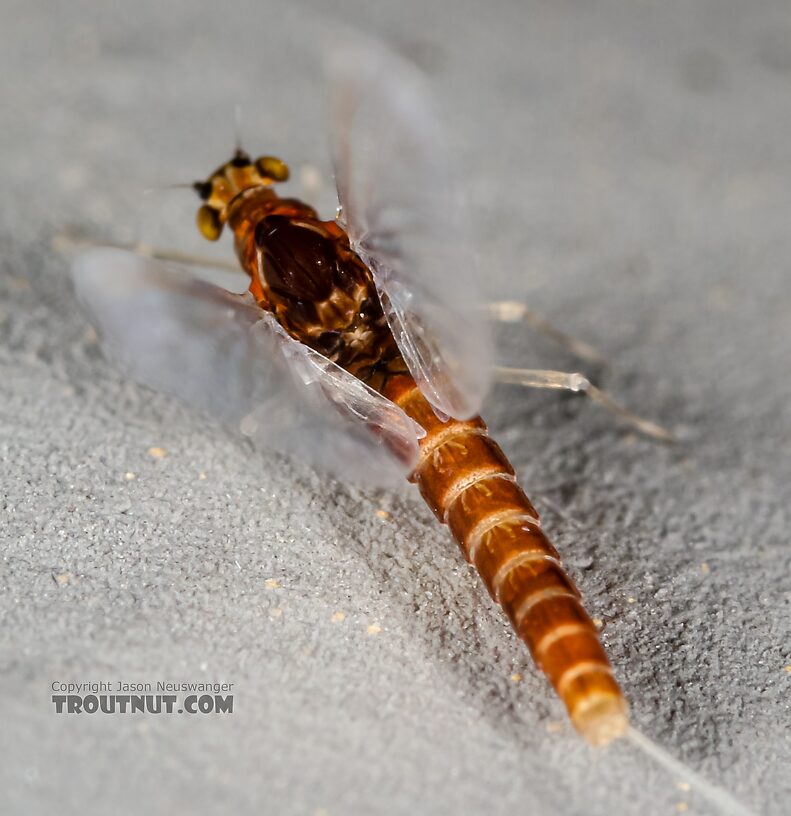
(630, 164)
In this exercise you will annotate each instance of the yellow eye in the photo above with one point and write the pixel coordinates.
(208, 221)
(270, 167)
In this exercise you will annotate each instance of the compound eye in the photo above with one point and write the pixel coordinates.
(208, 221)
(272, 168)
(240, 159)
(204, 189)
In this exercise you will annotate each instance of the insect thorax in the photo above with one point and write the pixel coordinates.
(305, 272)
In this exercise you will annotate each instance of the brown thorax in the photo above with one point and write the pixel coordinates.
(302, 269)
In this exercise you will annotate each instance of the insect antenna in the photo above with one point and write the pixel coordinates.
(237, 126)
(180, 185)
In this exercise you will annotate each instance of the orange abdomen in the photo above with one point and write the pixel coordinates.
(470, 485)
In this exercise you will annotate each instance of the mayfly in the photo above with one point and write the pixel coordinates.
(361, 347)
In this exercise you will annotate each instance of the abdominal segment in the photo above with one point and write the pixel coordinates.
(470, 485)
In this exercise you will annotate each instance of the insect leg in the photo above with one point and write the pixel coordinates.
(65, 241)
(564, 381)
(511, 311)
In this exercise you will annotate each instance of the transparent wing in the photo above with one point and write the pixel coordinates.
(406, 223)
(223, 355)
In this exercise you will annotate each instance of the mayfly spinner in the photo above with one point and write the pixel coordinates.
(361, 347)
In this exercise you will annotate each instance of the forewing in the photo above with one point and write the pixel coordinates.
(224, 356)
(406, 222)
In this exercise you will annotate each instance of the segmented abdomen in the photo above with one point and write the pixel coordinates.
(470, 485)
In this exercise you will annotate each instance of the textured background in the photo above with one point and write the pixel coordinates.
(631, 167)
